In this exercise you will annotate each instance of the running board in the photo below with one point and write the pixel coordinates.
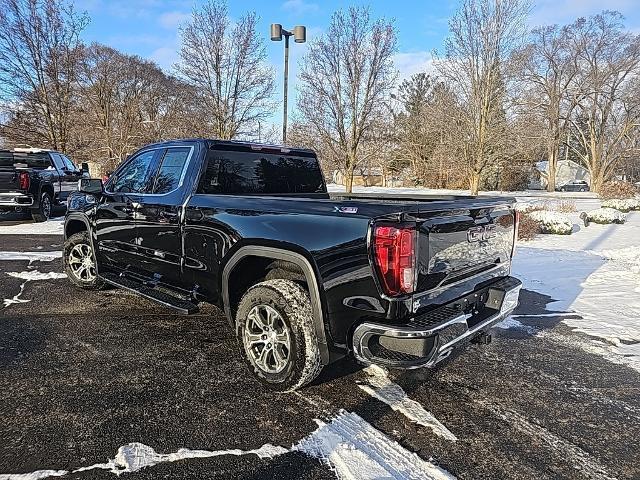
(183, 306)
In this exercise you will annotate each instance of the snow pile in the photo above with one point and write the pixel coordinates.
(552, 222)
(605, 216)
(525, 207)
(622, 204)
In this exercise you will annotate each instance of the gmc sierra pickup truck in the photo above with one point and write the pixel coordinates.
(37, 180)
(303, 277)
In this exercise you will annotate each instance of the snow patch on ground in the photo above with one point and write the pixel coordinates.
(31, 256)
(356, 450)
(54, 226)
(381, 387)
(37, 475)
(510, 322)
(28, 276)
(33, 275)
(351, 447)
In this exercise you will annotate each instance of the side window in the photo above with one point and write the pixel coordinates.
(135, 175)
(57, 161)
(68, 164)
(170, 170)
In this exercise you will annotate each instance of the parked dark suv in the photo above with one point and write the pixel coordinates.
(574, 186)
(37, 179)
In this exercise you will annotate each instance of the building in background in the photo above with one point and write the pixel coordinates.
(567, 171)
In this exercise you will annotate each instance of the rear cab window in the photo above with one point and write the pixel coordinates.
(38, 160)
(256, 173)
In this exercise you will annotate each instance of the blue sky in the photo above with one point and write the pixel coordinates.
(149, 28)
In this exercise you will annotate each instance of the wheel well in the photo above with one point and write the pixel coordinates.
(49, 190)
(74, 226)
(254, 269)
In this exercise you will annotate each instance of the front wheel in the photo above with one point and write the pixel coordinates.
(80, 262)
(277, 336)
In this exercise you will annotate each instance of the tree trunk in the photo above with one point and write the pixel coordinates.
(553, 167)
(474, 182)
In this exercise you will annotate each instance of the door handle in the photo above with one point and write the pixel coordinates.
(168, 215)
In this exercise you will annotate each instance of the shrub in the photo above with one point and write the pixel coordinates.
(622, 204)
(603, 216)
(564, 206)
(552, 222)
(528, 227)
(617, 190)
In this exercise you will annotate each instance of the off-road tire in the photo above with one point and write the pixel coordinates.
(41, 214)
(80, 238)
(292, 303)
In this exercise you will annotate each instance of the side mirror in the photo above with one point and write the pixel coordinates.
(84, 168)
(90, 185)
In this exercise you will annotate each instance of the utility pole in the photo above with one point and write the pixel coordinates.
(300, 36)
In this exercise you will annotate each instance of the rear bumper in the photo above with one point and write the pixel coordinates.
(15, 200)
(427, 340)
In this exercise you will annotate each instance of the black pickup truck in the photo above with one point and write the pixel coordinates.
(304, 277)
(37, 180)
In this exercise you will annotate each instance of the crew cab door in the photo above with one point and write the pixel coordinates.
(158, 217)
(69, 178)
(116, 234)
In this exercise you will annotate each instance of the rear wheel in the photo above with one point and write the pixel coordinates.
(277, 336)
(80, 263)
(43, 212)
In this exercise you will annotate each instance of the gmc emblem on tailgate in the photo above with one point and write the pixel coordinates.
(481, 233)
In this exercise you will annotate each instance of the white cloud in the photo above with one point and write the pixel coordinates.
(171, 20)
(165, 57)
(300, 7)
(410, 63)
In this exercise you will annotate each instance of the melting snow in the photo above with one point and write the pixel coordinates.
(382, 388)
(31, 256)
(54, 226)
(29, 276)
(348, 444)
(354, 449)
(32, 275)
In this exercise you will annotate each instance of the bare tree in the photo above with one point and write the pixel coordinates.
(549, 71)
(606, 122)
(124, 102)
(346, 78)
(484, 34)
(225, 63)
(39, 47)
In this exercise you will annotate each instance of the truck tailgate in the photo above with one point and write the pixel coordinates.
(460, 243)
(8, 180)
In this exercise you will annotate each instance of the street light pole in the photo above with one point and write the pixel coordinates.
(300, 36)
(286, 86)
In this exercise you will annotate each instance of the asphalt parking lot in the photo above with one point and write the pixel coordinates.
(84, 373)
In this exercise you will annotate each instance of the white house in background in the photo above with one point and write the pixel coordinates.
(566, 171)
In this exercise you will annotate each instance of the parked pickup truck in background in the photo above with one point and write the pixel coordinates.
(304, 278)
(36, 179)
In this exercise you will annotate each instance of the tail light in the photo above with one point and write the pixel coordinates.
(394, 256)
(24, 182)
